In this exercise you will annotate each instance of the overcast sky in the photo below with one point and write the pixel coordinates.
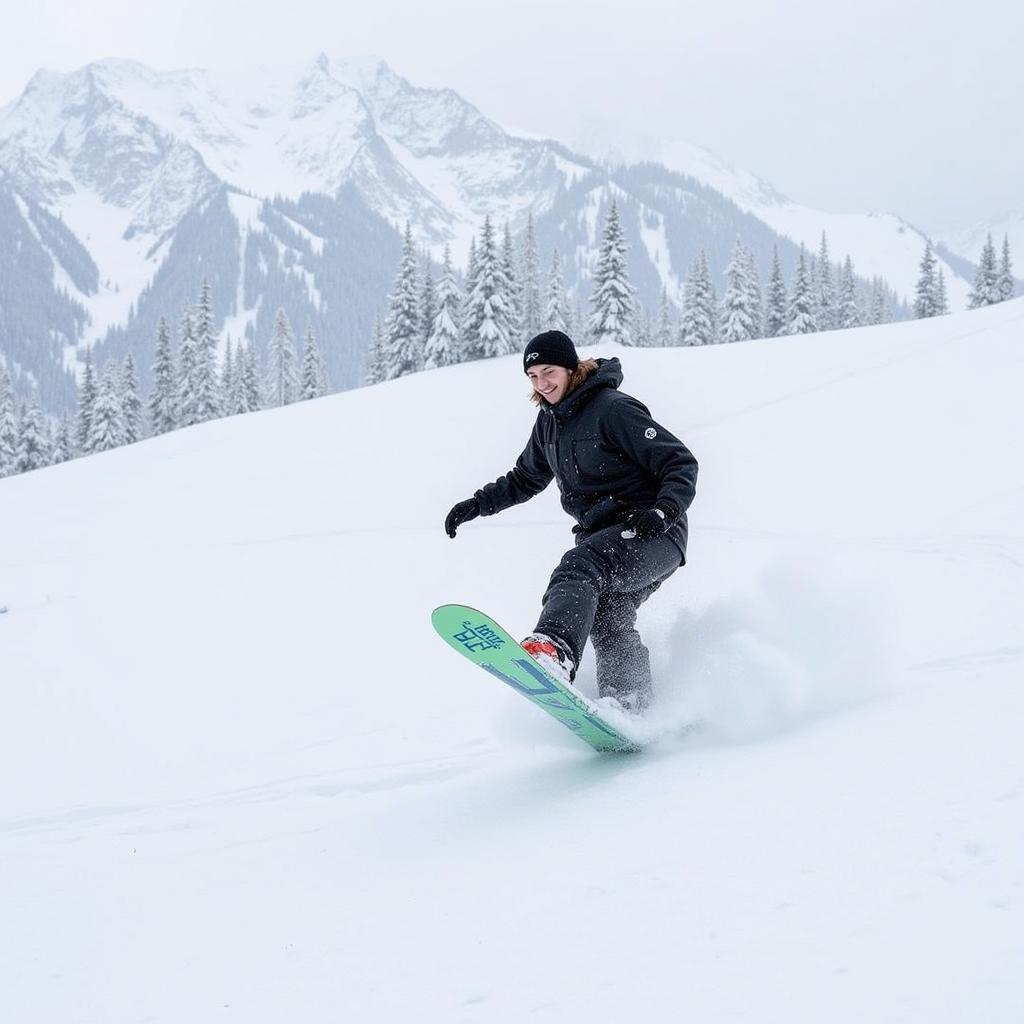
(912, 106)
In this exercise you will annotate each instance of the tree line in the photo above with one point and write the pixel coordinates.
(191, 383)
(501, 302)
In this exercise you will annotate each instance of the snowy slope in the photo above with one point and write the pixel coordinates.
(245, 779)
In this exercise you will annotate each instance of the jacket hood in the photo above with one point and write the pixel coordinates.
(607, 375)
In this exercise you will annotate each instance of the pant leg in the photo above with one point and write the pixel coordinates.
(623, 661)
(601, 563)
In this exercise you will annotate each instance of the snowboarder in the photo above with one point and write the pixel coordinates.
(627, 482)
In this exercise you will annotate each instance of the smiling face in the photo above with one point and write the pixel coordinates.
(550, 382)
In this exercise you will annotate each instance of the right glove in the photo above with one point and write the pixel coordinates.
(461, 513)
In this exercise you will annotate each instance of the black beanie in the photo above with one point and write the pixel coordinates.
(552, 348)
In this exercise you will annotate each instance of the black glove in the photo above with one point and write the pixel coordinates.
(461, 513)
(647, 524)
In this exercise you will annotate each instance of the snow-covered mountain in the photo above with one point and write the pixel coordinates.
(969, 241)
(255, 180)
(245, 780)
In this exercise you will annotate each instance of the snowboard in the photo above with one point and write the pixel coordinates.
(479, 638)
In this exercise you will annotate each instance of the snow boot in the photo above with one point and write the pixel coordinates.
(552, 655)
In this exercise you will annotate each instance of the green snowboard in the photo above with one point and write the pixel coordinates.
(479, 638)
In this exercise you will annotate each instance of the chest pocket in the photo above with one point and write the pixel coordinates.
(595, 464)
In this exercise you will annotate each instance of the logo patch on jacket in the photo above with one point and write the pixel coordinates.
(650, 433)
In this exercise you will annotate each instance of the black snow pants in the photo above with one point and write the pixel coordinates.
(595, 593)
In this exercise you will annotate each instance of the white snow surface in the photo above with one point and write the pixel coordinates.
(245, 780)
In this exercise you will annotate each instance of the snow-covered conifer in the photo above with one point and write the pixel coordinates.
(33, 446)
(776, 319)
(926, 292)
(847, 313)
(488, 326)
(825, 297)
(613, 301)
(205, 385)
(556, 308)
(250, 397)
(880, 311)
(86, 400)
(428, 300)
(1007, 285)
(515, 298)
(663, 331)
(403, 338)
(282, 383)
(738, 320)
(163, 408)
(187, 408)
(697, 326)
(755, 300)
(131, 404)
(8, 424)
(800, 317)
(444, 339)
(107, 415)
(374, 372)
(314, 374)
(529, 278)
(941, 295)
(63, 449)
(986, 290)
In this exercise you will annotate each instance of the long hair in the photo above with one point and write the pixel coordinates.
(576, 378)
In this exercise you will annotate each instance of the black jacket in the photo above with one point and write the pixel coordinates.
(607, 455)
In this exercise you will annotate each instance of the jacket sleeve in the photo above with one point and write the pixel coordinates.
(530, 475)
(629, 427)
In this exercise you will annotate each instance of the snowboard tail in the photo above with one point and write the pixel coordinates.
(483, 641)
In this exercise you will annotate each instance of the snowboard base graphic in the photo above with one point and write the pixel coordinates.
(479, 638)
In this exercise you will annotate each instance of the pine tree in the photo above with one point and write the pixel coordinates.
(186, 404)
(738, 321)
(428, 301)
(926, 293)
(846, 308)
(986, 290)
(880, 312)
(314, 373)
(800, 318)
(444, 341)
(698, 321)
(228, 380)
(529, 276)
(489, 324)
(163, 415)
(403, 338)
(613, 301)
(282, 375)
(374, 372)
(107, 415)
(663, 333)
(1007, 285)
(556, 306)
(515, 302)
(825, 298)
(205, 386)
(250, 398)
(941, 296)
(8, 425)
(776, 319)
(86, 400)
(63, 442)
(755, 301)
(131, 404)
(33, 449)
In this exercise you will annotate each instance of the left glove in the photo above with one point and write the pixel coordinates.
(461, 513)
(645, 525)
